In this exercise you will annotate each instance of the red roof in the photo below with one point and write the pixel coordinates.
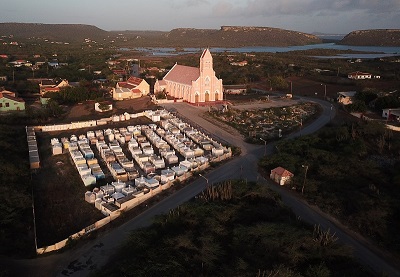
(51, 89)
(134, 81)
(359, 73)
(7, 96)
(183, 74)
(282, 172)
(126, 85)
(6, 92)
(119, 72)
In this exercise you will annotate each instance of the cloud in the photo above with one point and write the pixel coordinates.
(223, 8)
(304, 7)
(178, 4)
(195, 3)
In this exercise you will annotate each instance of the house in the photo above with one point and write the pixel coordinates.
(9, 102)
(241, 63)
(120, 73)
(134, 87)
(50, 85)
(281, 176)
(235, 89)
(391, 114)
(346, 97)
(192, 84)
(358, 75)
(53, 63)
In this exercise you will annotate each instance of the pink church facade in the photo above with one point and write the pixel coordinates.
(192, 84)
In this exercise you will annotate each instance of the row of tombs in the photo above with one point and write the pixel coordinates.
(161, 152)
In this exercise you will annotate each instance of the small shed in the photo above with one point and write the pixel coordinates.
(281, 175)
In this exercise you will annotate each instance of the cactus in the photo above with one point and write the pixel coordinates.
(323, 238)
(222, 192)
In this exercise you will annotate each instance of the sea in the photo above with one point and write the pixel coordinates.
(371, 52)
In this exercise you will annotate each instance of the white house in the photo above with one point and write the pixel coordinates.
(358, 75)
(134, 87)
(391, 114)
(346, 97)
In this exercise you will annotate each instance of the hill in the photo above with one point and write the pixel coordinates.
(235, 36)
(60, 32)
(378, 37)
(226, 36)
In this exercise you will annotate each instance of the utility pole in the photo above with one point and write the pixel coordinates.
(324, 90)
(265, 146)
(305, 177)
(204, 179)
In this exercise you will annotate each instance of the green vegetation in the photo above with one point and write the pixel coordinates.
(72, 95)
(235, 229)
(353, 173)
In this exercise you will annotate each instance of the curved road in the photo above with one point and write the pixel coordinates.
(93, 254)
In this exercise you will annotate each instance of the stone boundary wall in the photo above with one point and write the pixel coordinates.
(391, 127)
(84, 124)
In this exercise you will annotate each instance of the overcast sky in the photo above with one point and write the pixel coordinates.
(329, 16)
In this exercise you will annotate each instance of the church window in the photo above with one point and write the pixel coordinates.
(207, 81)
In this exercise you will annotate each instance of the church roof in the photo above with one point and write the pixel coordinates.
(205, 52)
(162, 82)
(183, 74)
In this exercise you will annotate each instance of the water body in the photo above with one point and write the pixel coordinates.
(378, 51)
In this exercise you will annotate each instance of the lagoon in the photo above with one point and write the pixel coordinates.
(378, 51)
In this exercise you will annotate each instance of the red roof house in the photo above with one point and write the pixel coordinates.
(281, 175)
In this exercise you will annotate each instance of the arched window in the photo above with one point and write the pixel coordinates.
(207, 81)
(207, 96)
(216, 95)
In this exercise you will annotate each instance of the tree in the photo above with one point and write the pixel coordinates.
(357, 106)
(387, 102)
(366, 96)
(279, 83)
(53, 109)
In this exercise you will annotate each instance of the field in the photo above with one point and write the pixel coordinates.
(234, 229)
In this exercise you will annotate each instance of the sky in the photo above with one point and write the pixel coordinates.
(325, 16)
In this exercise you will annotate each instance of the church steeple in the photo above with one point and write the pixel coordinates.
(206, 61)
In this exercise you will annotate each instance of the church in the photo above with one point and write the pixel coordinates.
(192, 84)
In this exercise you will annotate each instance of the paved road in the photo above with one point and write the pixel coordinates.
(81, 261)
